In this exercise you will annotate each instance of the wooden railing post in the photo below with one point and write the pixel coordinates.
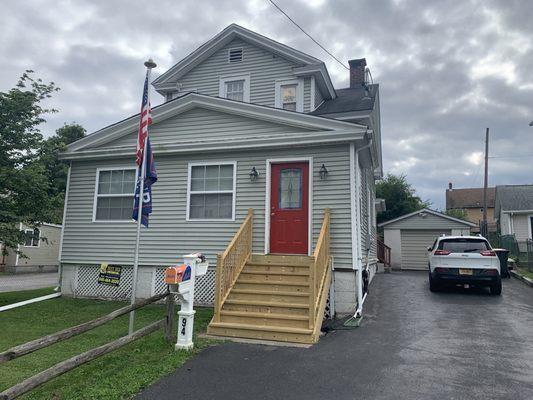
(218, 289)
(312, 293)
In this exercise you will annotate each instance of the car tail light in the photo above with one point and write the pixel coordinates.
(442, 252)
(488, 253)
(492, 272)
(442, 270)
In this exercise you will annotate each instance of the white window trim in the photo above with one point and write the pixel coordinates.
(268, 191)
(299, 92)
(233, 191)
(95, 200)
(246, 86)
(242, 54)
(38, 240)
(529, 233)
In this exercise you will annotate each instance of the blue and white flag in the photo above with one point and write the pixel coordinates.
(150, 178)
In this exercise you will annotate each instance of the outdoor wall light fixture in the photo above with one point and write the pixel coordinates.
(323, 172)
(254, 174)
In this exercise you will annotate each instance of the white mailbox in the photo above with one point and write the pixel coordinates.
(181, 280)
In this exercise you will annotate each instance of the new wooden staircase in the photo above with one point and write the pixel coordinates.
(271, 297)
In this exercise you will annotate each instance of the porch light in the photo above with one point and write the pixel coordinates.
(254, 174)
(323, 172)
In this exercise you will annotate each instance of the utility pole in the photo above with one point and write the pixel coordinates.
(484, 227)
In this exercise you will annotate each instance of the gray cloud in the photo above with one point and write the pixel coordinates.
(447, 69)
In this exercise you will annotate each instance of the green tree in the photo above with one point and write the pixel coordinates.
(56, 170)
(400, 197)
(23, 182)
(458, 213)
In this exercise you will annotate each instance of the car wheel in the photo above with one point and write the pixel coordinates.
(496, 289)
(433, 286)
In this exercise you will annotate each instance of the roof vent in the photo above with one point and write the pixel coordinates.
(235, 55)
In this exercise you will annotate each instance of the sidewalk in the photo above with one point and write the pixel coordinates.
(17, 282)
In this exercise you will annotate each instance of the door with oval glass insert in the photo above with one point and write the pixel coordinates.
(289, 208)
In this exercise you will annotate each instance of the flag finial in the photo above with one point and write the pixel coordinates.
(150, 64)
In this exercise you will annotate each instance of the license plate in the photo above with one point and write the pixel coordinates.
(465, 272)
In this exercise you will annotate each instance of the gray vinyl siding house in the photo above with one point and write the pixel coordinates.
(513, 211)
(197, 126)
(40, 253)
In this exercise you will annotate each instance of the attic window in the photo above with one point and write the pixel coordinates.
(235, 55)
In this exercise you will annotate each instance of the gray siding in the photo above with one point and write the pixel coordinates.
(264, 69)
(201, 124)
(170, 235)
(318, 96)
(521, 226)
(430, 221)
(307, 95)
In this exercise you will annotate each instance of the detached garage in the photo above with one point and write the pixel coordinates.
(410, 235)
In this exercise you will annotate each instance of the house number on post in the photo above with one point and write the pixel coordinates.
(181, 281)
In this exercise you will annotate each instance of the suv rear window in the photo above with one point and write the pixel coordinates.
(463, 245)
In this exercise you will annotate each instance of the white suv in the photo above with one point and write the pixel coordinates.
(464, 260)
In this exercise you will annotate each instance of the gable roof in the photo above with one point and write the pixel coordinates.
(428, 211)
(469, 198)
(348, 100)
(514, 198)
(322, 130)
(236, 31)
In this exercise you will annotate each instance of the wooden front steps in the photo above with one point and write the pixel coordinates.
(269, 301)
(271, 297)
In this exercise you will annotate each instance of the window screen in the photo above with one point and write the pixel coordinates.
(211, 191)
(114, 199)
(235, 90)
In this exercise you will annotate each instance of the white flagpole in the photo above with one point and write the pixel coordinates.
(149, 65)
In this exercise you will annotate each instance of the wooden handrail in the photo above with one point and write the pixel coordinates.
(383, 253)
(231, 262)
(318, 270)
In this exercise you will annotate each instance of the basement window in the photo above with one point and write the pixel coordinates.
(235, 55)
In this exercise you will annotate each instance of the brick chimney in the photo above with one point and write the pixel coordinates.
(357, 72)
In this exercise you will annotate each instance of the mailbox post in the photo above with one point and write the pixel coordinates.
(181, 280)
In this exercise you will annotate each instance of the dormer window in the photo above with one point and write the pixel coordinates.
(235, 88)
(235, 55)
(289, 95)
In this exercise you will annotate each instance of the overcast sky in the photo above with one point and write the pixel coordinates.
(446, 69)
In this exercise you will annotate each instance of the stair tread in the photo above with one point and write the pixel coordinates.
(260, 282)
(266, 303)
(290, 273)
(270, 292)
(266, 328)
(295, 317)
(266, 264)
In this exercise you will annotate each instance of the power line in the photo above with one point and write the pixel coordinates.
(308, 35)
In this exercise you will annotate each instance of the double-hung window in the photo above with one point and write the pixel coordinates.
(211, 191)
(235, 88)
(114, 194)
(32, 237)
(289, 95)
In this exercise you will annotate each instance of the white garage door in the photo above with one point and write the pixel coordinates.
(414, 247)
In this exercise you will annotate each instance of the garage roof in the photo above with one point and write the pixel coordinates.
(426, 211)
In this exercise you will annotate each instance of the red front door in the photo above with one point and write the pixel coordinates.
(289, 208)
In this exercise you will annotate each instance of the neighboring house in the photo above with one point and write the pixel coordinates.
(514, 212)
(249, 123)
(40, 251)
(410, 235)
(470, 200)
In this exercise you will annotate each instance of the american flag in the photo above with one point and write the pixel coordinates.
(146, 119)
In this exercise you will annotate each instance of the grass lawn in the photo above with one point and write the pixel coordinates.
(524, 272)
(14, 297)
(118, 375)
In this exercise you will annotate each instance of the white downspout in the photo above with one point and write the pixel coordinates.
(359, 260)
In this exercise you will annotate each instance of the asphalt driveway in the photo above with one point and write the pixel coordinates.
(412, 344)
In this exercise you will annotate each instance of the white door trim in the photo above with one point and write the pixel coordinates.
(269, 163)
